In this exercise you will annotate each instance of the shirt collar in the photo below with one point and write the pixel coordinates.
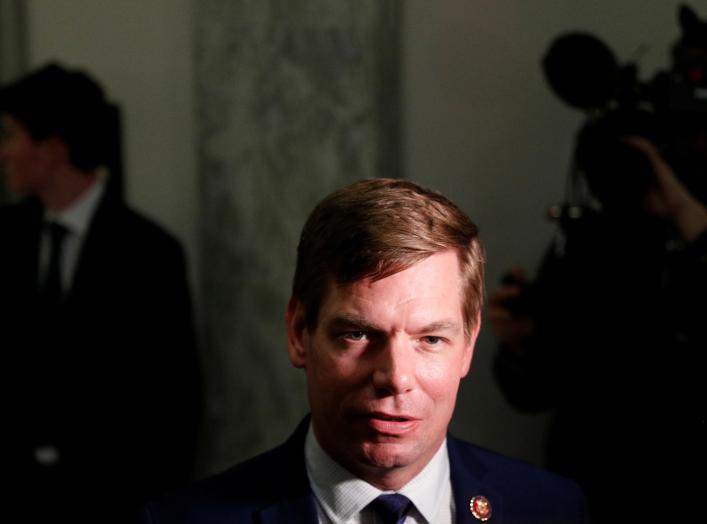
(77, 217)
(342, 495)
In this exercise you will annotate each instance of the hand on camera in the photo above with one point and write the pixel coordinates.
(511, 322)
(670, 198)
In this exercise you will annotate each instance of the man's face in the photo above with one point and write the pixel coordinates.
(383, 368)
(23, 160)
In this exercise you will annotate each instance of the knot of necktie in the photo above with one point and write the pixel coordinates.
(392, 508)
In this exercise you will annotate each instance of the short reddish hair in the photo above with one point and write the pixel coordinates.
(378, 227)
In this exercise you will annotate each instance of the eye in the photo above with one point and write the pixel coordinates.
(431, 340)
(355, 335)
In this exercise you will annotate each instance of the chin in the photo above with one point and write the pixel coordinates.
(386, 455)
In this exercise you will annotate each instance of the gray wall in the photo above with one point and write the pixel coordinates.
(478, 124)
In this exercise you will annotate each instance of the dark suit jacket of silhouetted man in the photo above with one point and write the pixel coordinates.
(384, 315)
(101, 391)
(112, 390)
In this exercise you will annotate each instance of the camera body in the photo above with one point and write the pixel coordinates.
(670, 110)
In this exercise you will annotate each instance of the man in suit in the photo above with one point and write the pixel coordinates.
(384, 315)
(99, 374)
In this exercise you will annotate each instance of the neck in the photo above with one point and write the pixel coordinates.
(69, 184)
(386, 477)
(389, 480)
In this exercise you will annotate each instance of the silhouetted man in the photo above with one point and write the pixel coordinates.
(100, 374)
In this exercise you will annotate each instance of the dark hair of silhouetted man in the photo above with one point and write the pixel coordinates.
(68, 104)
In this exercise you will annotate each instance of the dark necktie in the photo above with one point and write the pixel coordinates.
(53, 288)
(392, 508)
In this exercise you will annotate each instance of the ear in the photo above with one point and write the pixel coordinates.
(55, 151)
(297, 333)
(470, 344)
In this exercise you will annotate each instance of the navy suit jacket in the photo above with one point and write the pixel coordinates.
(274, 488)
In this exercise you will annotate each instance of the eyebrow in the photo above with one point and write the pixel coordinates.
(345, 321)
(443, 325)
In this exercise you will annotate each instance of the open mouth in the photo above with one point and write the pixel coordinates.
(392, 425)
(383, 416)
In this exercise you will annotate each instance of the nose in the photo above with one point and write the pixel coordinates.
(394, 371)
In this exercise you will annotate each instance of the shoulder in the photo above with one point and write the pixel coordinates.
(526, 492)
(267, 483)
(24, 212)
(117, 220)
(236, 492)
(20, 226)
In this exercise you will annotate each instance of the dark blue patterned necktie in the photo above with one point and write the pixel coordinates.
(392, 508)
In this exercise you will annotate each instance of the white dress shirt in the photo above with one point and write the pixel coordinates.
(342, 498)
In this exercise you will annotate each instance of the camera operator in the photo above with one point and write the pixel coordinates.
(614, 340)
(611, 333)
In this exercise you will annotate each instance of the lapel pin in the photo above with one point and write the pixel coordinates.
(480, 507)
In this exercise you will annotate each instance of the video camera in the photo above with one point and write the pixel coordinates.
(670, 110)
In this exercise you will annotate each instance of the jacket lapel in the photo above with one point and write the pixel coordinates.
(24, 248)
(297, 505)
(467, 474)
(299, 509)
(99, 245)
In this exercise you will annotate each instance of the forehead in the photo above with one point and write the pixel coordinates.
(432, 286)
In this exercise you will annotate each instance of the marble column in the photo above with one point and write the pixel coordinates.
(295, 99)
